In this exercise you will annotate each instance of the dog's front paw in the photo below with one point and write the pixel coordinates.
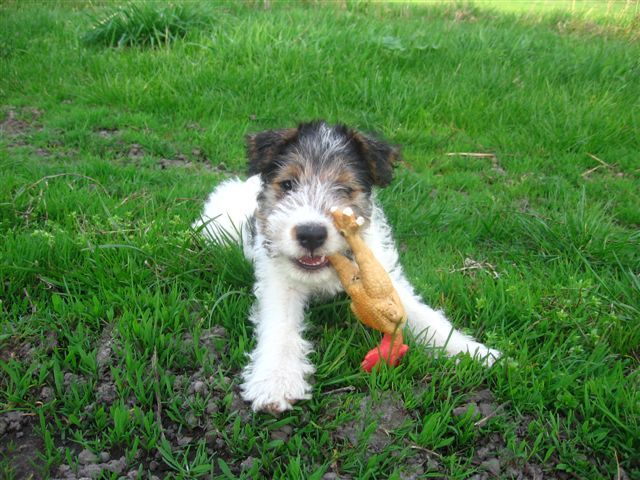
(275, 392)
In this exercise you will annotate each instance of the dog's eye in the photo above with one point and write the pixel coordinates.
(286, 185)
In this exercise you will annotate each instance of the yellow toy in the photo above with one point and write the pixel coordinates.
(374, 300)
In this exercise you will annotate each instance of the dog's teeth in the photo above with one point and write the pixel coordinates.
(360, 221)
(333, 209)
(347, 211)
(322, 259)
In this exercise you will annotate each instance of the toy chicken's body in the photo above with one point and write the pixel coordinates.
(374, 300)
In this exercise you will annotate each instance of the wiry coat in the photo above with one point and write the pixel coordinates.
(281, 215)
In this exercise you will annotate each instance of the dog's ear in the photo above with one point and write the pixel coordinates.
(264, 147)
(380, 157)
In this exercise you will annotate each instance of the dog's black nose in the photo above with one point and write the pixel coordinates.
(311, 235)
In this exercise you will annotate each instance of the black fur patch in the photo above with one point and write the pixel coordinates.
(264, 148)
(380, 157)
(314, 143)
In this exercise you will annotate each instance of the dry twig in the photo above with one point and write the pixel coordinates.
(348, 388)
(473, 265)
(484, 420)
(495, 164)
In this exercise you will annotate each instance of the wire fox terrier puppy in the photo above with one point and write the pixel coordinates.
(281, 216)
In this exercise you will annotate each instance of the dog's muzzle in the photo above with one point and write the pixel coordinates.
(311, 236)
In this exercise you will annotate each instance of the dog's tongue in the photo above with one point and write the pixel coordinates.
(312, 261)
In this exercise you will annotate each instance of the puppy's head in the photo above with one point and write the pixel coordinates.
(305, 171)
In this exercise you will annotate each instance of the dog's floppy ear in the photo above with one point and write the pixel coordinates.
(379, 157)
(264, 147)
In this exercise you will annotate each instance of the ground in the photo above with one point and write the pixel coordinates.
(515, 209)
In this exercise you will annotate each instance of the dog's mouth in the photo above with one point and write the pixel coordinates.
(311, 262)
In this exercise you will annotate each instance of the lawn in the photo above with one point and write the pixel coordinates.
(516, 210)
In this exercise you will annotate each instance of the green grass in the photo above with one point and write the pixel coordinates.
(111, 307)
(145, 24)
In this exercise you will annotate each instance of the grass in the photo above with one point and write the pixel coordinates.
(121, 332)
(145, 24)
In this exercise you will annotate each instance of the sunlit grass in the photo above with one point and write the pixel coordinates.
(112, 309)
(144, 24)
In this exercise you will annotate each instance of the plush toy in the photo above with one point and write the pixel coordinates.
(374, 301)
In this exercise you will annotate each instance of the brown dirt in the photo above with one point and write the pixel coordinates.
(21, 445)
(19, 122)
(107, 132)
(194, 384)
(492, 458)
(373, 425)
(387, 412)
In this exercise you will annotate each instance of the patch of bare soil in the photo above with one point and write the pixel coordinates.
(19, 122)
(387, 412)
(492, 457)
(192, 386)
(24, 351)
(91, 465)
(375, 424)
(196, 160)
(21, 445)
(107, 132)
(135, 151)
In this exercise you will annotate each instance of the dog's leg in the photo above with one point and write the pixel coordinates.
(432, 327)
(275, 376)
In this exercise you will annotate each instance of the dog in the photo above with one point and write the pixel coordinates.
(281, 217)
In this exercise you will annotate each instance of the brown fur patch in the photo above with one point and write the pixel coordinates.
(380, 157)
(262, 148)
(351, 186)
(290, 171)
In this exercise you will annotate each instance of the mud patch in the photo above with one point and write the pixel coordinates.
(106, 392)
(20, 122)
(107, 132)
(105, 348)
(374, 426)
(197, 160)
(21, 445)
(180, 162)
(42, 152)
(136, 151)
(26, 351)
(196, 388)
(91, 465)
(375, 422)
(492, 458)
(481, 405)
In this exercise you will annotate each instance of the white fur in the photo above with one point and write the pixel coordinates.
(227, 211)
(276, 374)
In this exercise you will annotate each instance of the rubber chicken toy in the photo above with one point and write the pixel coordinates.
(374, 300)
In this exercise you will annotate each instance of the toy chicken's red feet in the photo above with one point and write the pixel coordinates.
(387, 351)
